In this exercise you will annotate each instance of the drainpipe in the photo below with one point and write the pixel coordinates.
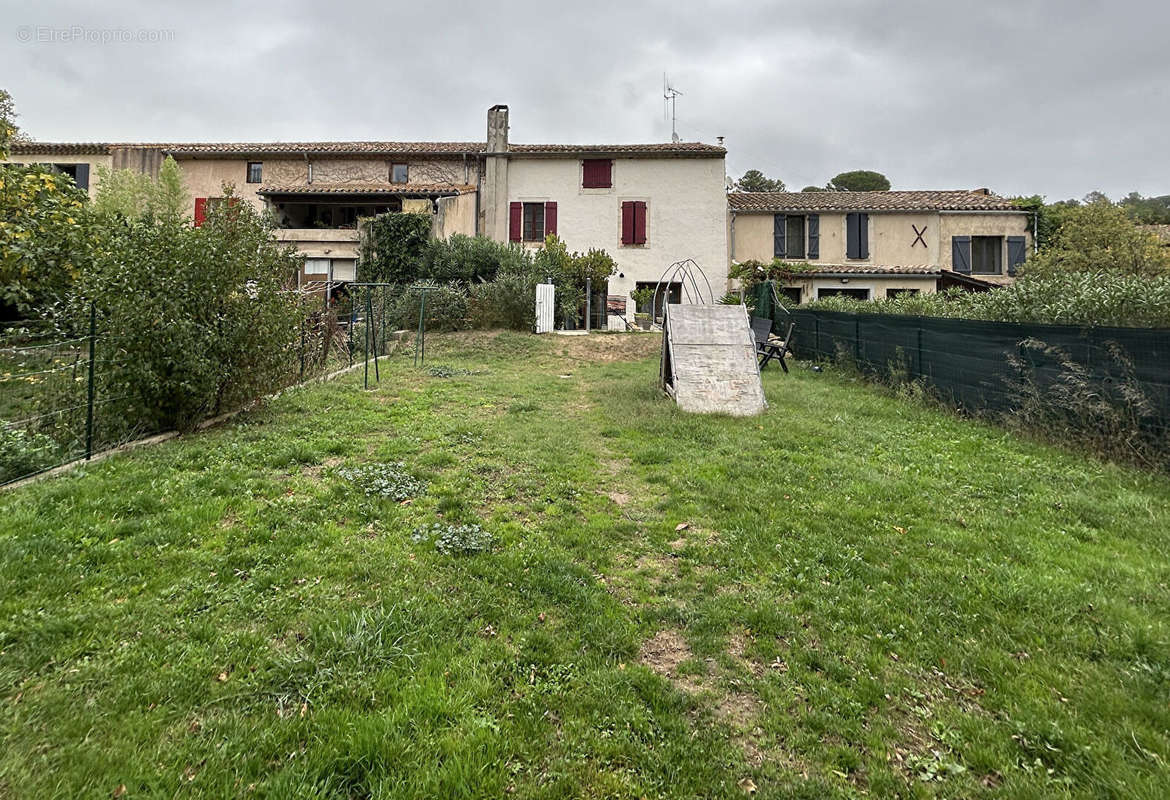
(1035, 232)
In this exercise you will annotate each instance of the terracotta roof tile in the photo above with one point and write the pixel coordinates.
(59, 148)
(367, 188)
(342, 148)
(375, 148)
(658, 148)
(959, 200)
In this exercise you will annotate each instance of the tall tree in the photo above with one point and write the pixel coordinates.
(860, 180)
(9, 131)
(1100, 237)
(755, 181)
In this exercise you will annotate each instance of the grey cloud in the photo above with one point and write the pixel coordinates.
(1044, 97)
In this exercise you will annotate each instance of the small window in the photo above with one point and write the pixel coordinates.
(534, 222)
(794, 237)
(400, 173)
(856, 294)
(596, 173)
(892, 293)
(316, 266)
(987, 255)
(255, 171)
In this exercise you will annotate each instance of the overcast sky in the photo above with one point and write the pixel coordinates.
(1057, 97)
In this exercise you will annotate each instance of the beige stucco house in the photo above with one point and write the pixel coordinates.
(872, 245)
(648, 205)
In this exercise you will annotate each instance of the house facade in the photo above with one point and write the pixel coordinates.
(647, 205)
(873, 245)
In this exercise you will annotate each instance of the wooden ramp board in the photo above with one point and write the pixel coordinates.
(709, 360)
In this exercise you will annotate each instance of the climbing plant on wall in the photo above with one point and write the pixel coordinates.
(393, 247)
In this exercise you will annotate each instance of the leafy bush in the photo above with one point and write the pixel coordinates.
(132, 194)
(455, 539)
(472, 258)
(23, 453)
(389, 480)
(1100, 238)
(445, 309)
(1058, 299)
(507, 302)
(193, 321)
(44, 236)
(393, 248)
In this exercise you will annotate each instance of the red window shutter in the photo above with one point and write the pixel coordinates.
(550, 219)
(515, 221)
(200, 211)
(627, 222)
(597, 173)
(639, 223)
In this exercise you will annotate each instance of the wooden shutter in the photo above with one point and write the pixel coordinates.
(550, 219)
(200, 211)
(1017, 247)
(639, 223)
(627, 222)
(779, 231)
(857, 235)
(81, 177)
(596, 173)
(961, 254)
(814, 236)
(515, 222)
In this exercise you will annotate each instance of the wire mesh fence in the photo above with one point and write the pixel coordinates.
(67, 397)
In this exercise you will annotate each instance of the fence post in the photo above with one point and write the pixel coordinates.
(350, 327)
(90, 389)
(373, 333)
(366, 353)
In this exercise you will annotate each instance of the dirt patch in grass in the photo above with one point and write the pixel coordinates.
(664, 651)
(620, 498)
(317, 470)
(607, 347)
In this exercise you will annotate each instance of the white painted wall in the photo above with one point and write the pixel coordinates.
(686, 207)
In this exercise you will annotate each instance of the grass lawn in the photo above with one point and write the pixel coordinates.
(849, 596)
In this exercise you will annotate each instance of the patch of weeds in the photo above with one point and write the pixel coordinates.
(933, 766)
(444, 371)
(454, 540)
(385, 480)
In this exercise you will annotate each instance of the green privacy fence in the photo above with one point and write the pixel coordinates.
(981, 365)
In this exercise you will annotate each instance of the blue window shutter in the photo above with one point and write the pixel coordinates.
(863, 235)
(82, 179)
(814, 236)
(961, 254)
(779, 227)
(1017, 252)
(852, 236)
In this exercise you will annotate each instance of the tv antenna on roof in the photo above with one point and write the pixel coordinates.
(669, 98)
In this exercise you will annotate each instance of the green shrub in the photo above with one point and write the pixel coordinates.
(507, 302)
(192, 321)
(445, 309)
(393, 248)
(472, 258)
(1062, 298)
(24, 453)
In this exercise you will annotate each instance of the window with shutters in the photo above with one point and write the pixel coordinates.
(987, 255)
(255, 171)
(399, 173)
(633, 223)
(534, 222)
(596, 173)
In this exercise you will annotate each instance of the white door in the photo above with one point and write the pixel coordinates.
(545, 292)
